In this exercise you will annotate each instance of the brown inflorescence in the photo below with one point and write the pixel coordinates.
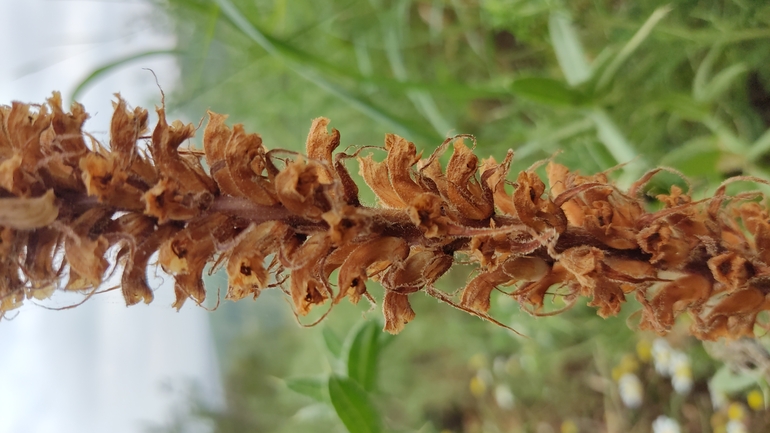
(72, 208)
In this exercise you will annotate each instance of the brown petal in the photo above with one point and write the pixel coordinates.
(125, 129)
(397, 312)
(320, 145)
(306, 290)
(476, 295)
(245, 158)
(493, 175)
(673, 298)
(171, 200)
(29, 213)
(245, 266)
(105, 179)
(375, 175)
(427, 211)
(134, 280)
(419, 269)
(215, 140)
(353, 274)
(463, 190)
(300, 190)
(731, 270)
(534, 210)
(526, 268)
(402, 155)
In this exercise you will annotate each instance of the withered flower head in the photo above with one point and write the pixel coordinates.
(276, 218)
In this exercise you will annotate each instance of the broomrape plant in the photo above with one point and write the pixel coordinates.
(268, 214)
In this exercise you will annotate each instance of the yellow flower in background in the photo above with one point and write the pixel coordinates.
(569, 426)
(477, 386)
(644, 350)
(477, 361)
(627, 364)
(755, 399)
(736, 411)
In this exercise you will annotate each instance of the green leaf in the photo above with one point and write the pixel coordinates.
(569, 51)
(362, 349)
(759, 147)
(332, 342)
(727, 382)
(316, 71)
(721, 82)
(314, 387)
(619, 147)
(109, 67)
(547, 91)
(632, 45)
(353, 406)
(697, 157)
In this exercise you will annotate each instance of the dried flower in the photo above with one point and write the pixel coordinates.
(276, 218)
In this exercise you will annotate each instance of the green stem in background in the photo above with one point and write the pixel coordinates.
(641, 35)
(99, 72)
(619, 147)
(312, 74)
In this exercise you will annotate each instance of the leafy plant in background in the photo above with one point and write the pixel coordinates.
(650, 84)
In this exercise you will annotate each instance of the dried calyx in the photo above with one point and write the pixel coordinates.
(265, 215)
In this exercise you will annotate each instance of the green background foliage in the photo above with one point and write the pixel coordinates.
(641, 83)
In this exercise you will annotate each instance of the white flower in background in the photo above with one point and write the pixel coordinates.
(504, 397)
(485, 376)
(631, 390)
(661, 355)
(499, 366)
(735, 426)
(664, 424)
(681, 372)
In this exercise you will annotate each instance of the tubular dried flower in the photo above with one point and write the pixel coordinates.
(266, 215)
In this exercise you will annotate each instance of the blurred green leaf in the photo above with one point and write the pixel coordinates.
(312, 69)
(569, 51)
(619, 147)
(631, 46)
(314, 387)
(721, 82)
(362, 349)
(353, 406)
(760, 147)
(109, 67)
(547, 91)
(332, 342)
(695, 158)
(727, 382)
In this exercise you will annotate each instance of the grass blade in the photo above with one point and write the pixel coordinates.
(632, 45)
(109, 67)
(299, 64)
(547, 91)
(569, 50)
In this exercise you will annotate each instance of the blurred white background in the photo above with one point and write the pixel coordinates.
(100, 367)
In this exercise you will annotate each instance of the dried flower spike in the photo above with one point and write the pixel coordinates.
(267, 214)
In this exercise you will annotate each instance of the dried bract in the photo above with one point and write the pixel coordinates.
(277, 218)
